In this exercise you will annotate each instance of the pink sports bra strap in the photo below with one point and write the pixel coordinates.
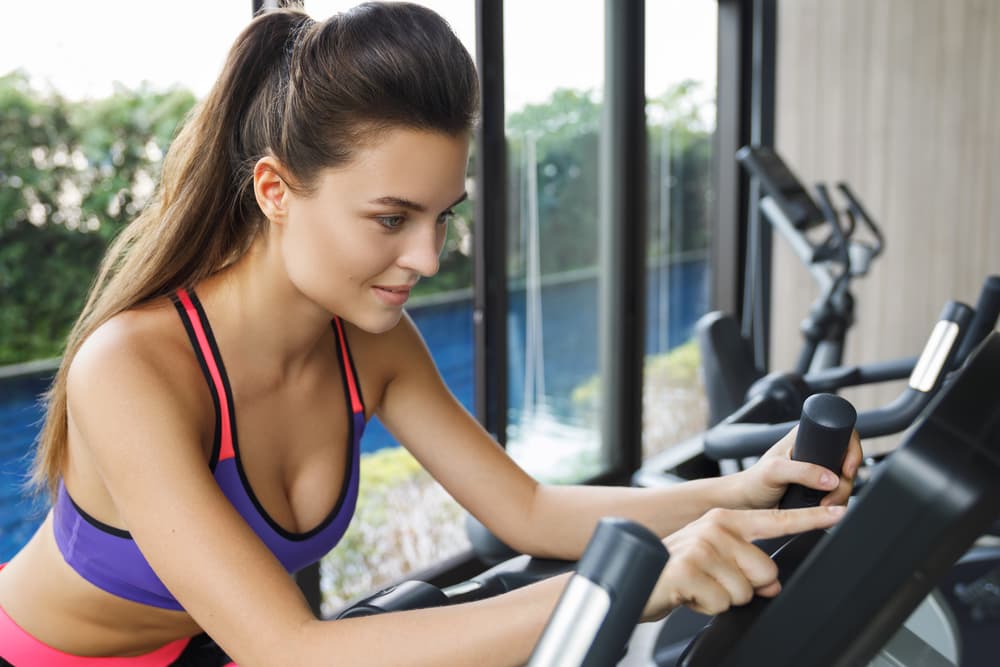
(356, 404)
(218, 386)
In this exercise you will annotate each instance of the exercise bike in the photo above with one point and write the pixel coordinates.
(772, 402)
(849, 593)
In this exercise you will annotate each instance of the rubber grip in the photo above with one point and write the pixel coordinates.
(985, 319)
(823, 436)
(603, 601)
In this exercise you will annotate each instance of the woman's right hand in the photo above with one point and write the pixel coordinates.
(714, 565)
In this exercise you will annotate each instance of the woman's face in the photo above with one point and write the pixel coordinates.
(372, 228)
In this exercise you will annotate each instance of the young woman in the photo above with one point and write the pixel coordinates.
(201, 440)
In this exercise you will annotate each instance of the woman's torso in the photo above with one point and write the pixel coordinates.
(292, 450)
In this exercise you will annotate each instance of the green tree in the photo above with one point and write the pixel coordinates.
(680, 154)
(564, 133)
(71, 175)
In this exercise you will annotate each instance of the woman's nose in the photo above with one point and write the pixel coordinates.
(422, 249)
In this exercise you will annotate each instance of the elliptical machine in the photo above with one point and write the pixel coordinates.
(833, 248)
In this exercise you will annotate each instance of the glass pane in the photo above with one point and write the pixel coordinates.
(680, 91)
(405, 520)
(553, 87)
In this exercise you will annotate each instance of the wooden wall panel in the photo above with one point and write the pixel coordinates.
(900, 98)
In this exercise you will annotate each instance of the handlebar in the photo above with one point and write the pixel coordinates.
(823, 437)
(985, 319)
(737, 437)
(603, 601)
(595, 615)
(415, 594)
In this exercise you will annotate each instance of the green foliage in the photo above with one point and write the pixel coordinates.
(674, 407)
(381, 472)
(564, 134)
(679, 161)
(388, 467)
(71, 175)
(680, 365)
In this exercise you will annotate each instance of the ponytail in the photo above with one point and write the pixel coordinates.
(200, 219)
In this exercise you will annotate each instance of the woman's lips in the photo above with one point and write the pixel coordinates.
(393, 295)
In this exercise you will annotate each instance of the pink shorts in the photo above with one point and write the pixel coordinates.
(19, 649)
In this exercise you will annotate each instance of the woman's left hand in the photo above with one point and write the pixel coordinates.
(763, 484)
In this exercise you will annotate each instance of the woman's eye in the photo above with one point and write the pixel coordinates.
(390, 221)
(446, 217)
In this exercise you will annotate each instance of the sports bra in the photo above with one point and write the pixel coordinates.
(110, 559)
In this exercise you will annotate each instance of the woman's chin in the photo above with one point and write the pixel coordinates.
(376, 323)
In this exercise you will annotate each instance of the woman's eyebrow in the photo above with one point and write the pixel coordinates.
(465, 195)
(402, 202)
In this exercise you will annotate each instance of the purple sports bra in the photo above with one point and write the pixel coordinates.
(108, 557)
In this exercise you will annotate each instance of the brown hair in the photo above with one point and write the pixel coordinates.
(304, 92)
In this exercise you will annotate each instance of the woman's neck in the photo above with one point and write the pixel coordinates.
(255, 307)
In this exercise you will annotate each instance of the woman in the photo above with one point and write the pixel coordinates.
(201, 440)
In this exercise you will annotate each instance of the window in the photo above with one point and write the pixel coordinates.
(680, 92)
(553, 104)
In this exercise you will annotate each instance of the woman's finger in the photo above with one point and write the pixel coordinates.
(699, 590)
(756, 566)
(840, 495)
(725, 564)
(852, 461)
(762, 524)
(853, 458)
(783, 447)
(783, 471)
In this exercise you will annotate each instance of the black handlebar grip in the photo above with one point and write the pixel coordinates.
(603, 601)
(985, 318)
(823, 436)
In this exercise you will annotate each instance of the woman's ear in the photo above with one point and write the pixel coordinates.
(271, 189)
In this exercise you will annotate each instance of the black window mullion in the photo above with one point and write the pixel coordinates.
(757, 302)
(728, 234)
(740, 245)
(623, 185)
(490, 290)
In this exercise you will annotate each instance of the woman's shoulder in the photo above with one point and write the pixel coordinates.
(144, 346)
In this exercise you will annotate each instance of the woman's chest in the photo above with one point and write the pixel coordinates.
(294, 451)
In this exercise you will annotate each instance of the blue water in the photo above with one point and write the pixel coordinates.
(676, 297)
(20, 413)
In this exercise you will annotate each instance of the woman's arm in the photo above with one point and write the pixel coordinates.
(557, 521)
(665, 510)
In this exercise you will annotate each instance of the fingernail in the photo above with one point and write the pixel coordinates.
(837, 510)
(826, 479)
